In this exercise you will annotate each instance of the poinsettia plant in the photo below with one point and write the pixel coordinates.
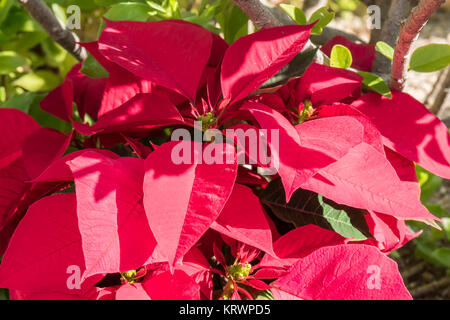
(108, 211)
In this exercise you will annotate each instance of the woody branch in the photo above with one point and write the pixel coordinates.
(55, 28)
(408, 34)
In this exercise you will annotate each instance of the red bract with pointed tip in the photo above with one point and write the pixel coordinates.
(409, 129)
(50, 250)
(244, 219)
(265, 52)
(323, 85)
(180, 70)
(113, 209)
(346, 272)
(26, 150)
(190, 196)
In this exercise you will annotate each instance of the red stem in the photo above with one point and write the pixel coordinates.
(408, 33)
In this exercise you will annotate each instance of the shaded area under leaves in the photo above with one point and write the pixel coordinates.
(424, 280)
(307, 207)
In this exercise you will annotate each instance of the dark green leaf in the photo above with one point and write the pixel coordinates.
(26, 41)
(233, 22)
(323, 16)
(4, 294)
(54, 53)
(5, 5)
(21, 101)
(306, 207)
(10, 61)
(202, 22)
(295, 13)
(438, 256)
(92, 68)
(296, 67)
(46, 119)
(264, 295)
(41, 80)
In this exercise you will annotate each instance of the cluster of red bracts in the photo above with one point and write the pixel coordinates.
(91, 224)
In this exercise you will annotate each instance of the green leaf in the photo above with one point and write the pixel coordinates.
(202, 7)
(207, 9)
(128, 11)
(297, 66)
(4, 294)
(67, 64)
(41, 80)
(21, 101)
(54, 53)
(442, 255)
(446, 226)
(46, 119)
(157, 7)
(10, 61)
(429, 58)
(5, 6)
(92, 68)
(340, 57)
(323, 16)
(385, 49)
(59, 12)
(295, 13)
(173, 9)
(15, 21)
(26, 41)
(429, 183)
(233, 22)
(438, 256)
(85, 5)
(202, 22)
(340, 219)
(264, 295)
(2, 94)
(375, 83)
(436, 210)
(108, 3)
(306, 207)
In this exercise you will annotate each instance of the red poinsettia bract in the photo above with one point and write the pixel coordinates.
(118, 218)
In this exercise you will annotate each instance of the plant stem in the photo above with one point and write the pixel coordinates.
(55, 28)
(408, 34)
(264, 17)
(398, 11)
(261, 15)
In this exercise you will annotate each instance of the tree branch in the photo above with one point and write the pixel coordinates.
(262, 16)
(437, 96)
(279, 13)
(328, 33)
(398, 11)
(408, 33)
(55, 28)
